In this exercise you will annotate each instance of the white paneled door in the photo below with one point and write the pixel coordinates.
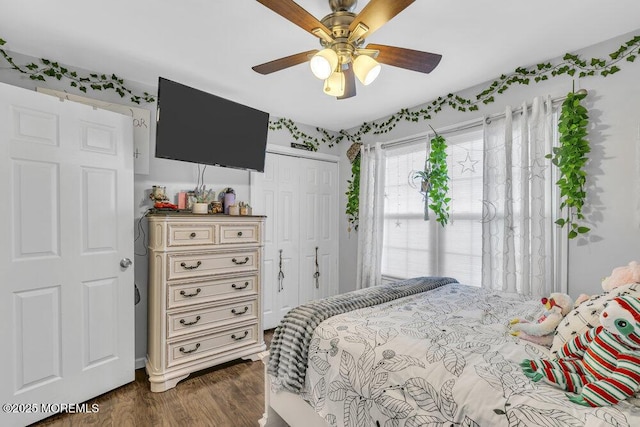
(66, 293)
(318, 241)
(276, 195)
(299, 197)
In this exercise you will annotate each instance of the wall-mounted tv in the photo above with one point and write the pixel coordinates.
(196, 126)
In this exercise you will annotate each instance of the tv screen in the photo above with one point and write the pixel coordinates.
(196, 126)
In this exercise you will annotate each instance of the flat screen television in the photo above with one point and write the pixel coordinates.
(196, 126)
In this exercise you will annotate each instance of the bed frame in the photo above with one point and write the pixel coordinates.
(283, 409)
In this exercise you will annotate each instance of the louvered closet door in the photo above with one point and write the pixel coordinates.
(318, 229)
(275, 194)
(66, 305)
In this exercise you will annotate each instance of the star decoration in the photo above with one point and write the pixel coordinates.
(539, 166)
(398, 224)
(468, 164)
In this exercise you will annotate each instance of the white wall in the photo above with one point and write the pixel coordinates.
(612, 206)
(175, 175)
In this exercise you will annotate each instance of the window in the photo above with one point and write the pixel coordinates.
(501, 233)
(415, 247)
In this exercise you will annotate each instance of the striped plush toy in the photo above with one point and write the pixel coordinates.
(602, 365)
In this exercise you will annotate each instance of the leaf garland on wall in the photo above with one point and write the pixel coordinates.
(94, 81)
(571, 65)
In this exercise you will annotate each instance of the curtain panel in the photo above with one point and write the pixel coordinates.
(371, 216)
(519, 201)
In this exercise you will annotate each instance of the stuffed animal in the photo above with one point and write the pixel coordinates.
(602, 365)
(555, 308)
(622, 276)
(581, 298)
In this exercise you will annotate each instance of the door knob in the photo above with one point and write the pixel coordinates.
(125, 263)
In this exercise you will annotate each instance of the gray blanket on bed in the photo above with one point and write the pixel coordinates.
(289, 348)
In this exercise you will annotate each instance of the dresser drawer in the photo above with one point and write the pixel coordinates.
(240, 233)
(211, 344)
(190, 234)
(187, 322)
(188, 293)
(208, 263)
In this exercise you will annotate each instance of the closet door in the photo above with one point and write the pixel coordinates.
(275, 193)
(318, 229)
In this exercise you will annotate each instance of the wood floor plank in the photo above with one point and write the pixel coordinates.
(228, 395)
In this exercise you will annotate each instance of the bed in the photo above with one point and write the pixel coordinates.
(426, 351)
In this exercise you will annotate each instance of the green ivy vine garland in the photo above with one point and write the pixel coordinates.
(93, 81)
(571, 65)
(571, 157)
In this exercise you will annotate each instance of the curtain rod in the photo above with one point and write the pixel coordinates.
(460, 127)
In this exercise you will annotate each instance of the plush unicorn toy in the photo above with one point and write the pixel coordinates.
(602, 365)
(541, 332)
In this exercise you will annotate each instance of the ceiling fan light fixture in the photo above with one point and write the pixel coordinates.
(334, 85)
(324, 63)
(366, 69)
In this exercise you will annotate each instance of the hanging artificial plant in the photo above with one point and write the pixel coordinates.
(353, 194)
(435, 181)
(571, 157)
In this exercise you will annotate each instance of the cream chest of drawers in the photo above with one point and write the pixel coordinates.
(204, 293)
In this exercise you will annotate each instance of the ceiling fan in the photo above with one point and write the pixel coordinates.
(342, 34)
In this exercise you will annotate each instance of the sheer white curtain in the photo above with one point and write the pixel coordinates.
(518, 199)
(371, 216)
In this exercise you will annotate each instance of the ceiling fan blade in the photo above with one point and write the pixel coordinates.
(282, 63)
(293, 12)
(349, 83)
(377, 13)
(422, 62)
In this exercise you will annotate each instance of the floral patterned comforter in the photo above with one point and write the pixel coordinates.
(439, 358)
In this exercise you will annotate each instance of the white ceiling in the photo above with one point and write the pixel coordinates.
(212, 44)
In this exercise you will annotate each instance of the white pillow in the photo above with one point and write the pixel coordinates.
(587, 315)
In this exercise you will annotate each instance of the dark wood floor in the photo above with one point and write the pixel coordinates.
(230, 395)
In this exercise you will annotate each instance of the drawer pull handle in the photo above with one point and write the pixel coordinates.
(192, 235)
(186, 295)
(190, 267)
(239, 338)
(190, 323)
(239, 233)
(182, 350)
(233, 285)
(238, 313)
(236, 262)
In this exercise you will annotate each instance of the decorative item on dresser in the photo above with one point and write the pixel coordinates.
(205, 279)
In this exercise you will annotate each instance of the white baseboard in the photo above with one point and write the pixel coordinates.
(141, 362)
